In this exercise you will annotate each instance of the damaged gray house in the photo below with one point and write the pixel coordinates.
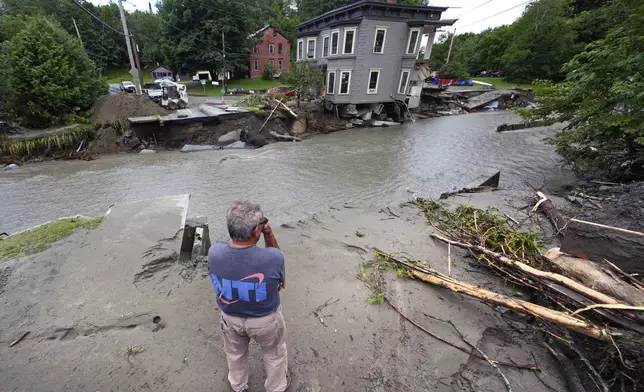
(369, 49)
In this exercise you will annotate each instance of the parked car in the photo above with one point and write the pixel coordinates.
(153, 90)
(127, 86)
(288, 91)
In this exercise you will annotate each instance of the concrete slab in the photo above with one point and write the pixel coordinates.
(195, 147)
(201, 113)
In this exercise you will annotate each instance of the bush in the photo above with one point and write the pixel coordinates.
(306, 79)
(453, 70)
(51, 78)
(269, 72)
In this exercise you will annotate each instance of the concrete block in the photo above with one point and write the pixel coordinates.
(195, 147)
(299, 126)
(196, 239)
(385, 123)
(357, 121)
(367, 116)
(230, 137)
(147, 151)
(596, 242)
(349, 125)
(236, 145)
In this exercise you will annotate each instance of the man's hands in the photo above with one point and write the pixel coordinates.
(269, 237)
(267, 229)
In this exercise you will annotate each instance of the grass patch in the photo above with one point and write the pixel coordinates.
(41, 238)
(114, 76)
(246, 84)
(502, 84)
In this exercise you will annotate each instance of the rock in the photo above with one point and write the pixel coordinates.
(360, 233)
(385, 123)
(11, 166)
(299, 126)
(194, 147)
(147, 151)
(237, 144)
(367, 116)
(357, 121)
(230, 137)
(349, 125)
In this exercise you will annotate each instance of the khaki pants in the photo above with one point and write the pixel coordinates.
(270, 332)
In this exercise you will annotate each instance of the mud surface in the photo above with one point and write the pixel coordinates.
(623, 206)
(90, 297)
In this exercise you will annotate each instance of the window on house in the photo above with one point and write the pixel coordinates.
(379, 40)
(310, 48)
(256, 65)
(345, 81)
(300, 49)
(412, 41)
(279, 48)
(325, 46)
(271, 48)
(374, 76)
(280, 64)
(404, 80)
(349, 40)
(335, 39)
(330, 82)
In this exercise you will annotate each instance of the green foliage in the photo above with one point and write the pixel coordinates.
(453, 70)
(146, 28)
(602, 100)
(50, 77)
(269, 72)
(377, 298)
(41, 238)
(282, 15)
(24, 149)
(306, 79)
(308, 9)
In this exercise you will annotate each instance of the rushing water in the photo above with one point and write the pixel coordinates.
(374, 166)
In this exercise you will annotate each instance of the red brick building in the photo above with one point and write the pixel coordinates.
(272, 48)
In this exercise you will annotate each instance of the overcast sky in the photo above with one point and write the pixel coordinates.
(464, 10)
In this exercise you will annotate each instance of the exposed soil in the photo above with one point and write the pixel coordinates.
(623, 207)
(121, 106)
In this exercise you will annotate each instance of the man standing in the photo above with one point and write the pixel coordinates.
(247, 281)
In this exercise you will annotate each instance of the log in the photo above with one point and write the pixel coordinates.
(593, 241)
(287, 138)
(534, 272)
(292, 113)
(517, 305)
(592, 276)
(545, 206)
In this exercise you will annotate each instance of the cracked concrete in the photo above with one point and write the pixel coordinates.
(83, 310)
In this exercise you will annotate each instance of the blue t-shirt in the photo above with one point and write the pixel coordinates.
(246, 279)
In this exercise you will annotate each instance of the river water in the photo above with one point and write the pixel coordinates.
(372, 166)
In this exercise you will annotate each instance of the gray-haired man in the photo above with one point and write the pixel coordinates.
(247, 281)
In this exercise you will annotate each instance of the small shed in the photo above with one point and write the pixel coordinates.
(161, 72)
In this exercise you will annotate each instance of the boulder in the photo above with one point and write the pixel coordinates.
(230, 137)
(147, 151)
(299, 126)
(349, 125)
(237, 144)
(11, 166)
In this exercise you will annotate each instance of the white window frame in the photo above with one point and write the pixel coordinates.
(350, 71)
(353, 43)
(280, 64)
(337, 49)
(300, 53)
(384, 39)
(418, 38)
(372, 70)
(256, 65)
(328, 47)
(330, 72)
(402, 72)
(271, 48)
(308, 46)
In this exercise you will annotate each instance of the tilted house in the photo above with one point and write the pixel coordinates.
(369, 49)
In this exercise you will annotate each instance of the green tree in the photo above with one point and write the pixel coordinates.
(283, 16)
(146, 28)
(491, 47)
(50, 76)
(543, 41)
(602, 100)
(306, 79)
(308, 9)
(269, 72)
(453, 70)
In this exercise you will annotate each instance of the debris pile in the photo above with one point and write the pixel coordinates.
(589, 311)
(448, 102)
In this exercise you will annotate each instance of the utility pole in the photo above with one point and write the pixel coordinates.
(449, 53)
(78, 33)
(138, 63)
(223, 48)
(133, 70)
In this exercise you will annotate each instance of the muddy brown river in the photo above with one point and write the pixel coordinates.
(374, 166)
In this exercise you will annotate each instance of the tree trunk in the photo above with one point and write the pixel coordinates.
(591, 275)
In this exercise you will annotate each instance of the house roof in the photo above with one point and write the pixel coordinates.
(264, 28)
(374, 3)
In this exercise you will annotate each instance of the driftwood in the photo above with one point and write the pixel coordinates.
(592, 276)
(288, 110)
(545, 206)
(531, 271)
(287, 138)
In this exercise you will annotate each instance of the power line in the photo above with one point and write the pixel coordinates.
(498, 13)
(474, 9)
(97, 18)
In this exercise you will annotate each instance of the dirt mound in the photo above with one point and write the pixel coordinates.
(121, 106)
